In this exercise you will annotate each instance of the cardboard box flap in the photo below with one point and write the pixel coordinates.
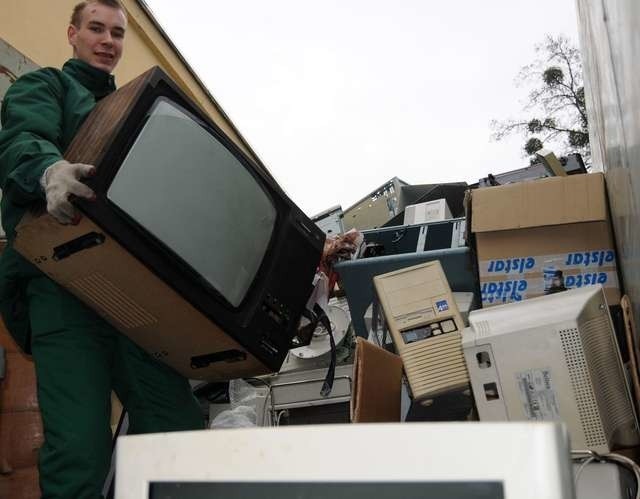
(549, 201)
(377, 380)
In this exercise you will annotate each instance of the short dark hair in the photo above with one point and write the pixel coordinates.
(76, 15)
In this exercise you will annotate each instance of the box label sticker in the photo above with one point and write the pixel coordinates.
(591, 258)
(442, 306)
(504, 291)
(499, 292)
(537, 264)
(537, 395)
(509, 266)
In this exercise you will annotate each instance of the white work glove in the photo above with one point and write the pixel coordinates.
(61, 180)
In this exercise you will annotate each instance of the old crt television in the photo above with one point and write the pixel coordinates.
(553, 358)
(373, 461)
(191, 248)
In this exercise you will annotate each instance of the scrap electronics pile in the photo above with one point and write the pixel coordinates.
(489, 313)
(510, 311)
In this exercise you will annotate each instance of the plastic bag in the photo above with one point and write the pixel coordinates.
(243, 414)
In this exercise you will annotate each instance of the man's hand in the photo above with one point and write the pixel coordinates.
(61, 180)
(340, 247)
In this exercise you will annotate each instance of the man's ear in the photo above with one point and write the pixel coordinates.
(72, 33)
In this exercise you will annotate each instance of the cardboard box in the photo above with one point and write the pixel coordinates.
(533, 238)
(377, 383)
(431, 211)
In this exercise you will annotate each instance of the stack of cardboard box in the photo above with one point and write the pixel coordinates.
(529, 239)
(534, 238)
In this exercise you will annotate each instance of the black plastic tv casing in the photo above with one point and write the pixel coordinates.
(266, 320)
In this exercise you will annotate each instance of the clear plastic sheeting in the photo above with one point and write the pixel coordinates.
(242, 412)
(610, 42)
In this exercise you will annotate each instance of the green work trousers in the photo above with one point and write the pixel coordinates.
(79, 359)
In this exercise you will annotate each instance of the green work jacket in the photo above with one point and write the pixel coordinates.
(41, 113)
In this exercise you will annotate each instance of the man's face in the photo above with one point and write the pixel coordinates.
(99, 38)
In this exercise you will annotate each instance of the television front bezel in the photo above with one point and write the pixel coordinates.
(156, 255)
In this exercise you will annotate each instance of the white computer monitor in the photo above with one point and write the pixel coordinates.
(357, 461)
(553, 358)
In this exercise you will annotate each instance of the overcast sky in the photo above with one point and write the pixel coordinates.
(336, 97)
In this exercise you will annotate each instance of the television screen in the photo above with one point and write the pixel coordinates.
(218, 220)
(190, 248)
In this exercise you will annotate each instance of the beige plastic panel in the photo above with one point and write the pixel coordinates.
(409, 298)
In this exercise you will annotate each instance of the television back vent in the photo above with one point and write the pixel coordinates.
(112, 301)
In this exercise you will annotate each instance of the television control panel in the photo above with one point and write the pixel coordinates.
(278, 313)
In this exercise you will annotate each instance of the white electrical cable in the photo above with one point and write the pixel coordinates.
(280, 416)
(264, 407)
(580, 469)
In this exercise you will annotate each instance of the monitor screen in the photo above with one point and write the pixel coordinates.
(323, 490)
(176, 167)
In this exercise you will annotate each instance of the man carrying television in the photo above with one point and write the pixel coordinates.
(79, 358)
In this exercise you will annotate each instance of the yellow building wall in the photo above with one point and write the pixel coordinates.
(38, 29)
